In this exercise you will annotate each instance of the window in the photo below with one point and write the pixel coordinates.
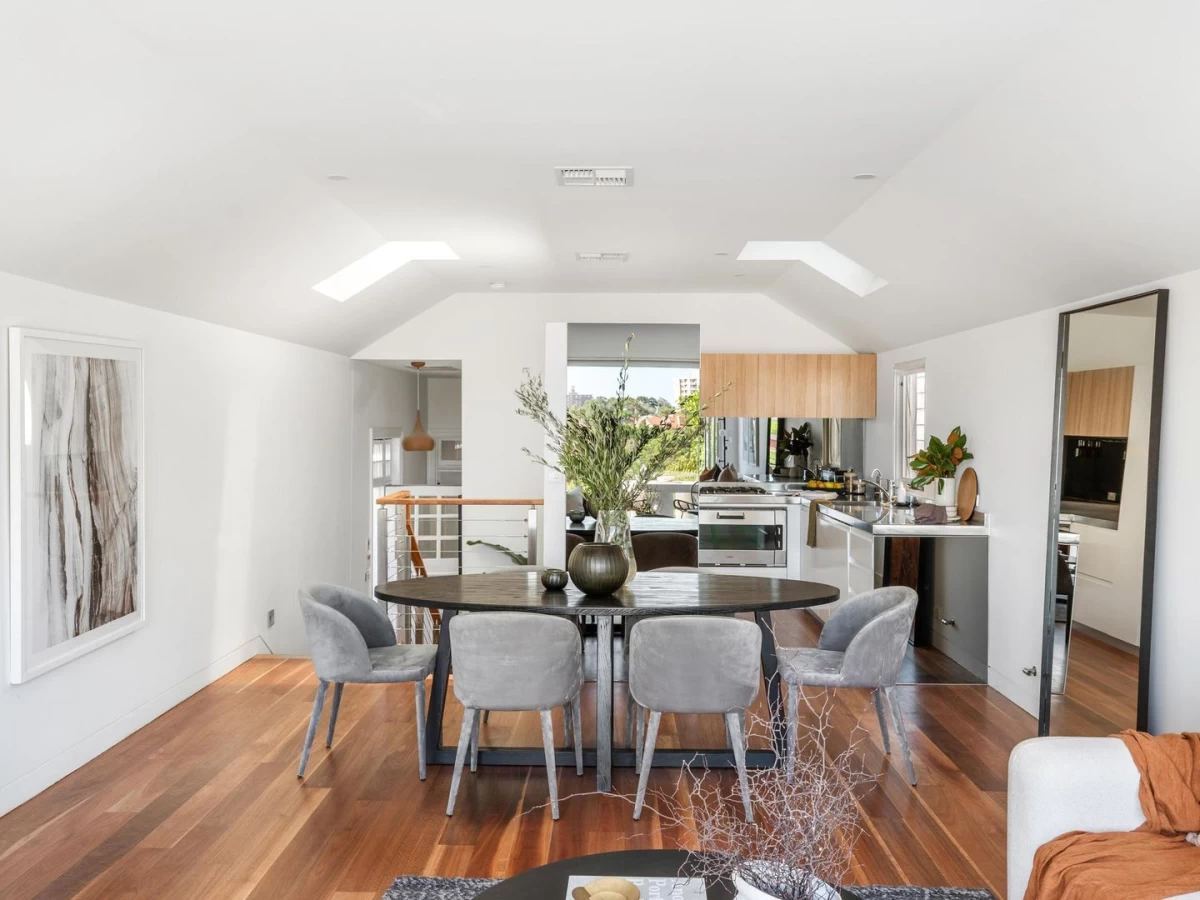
(909, 415)
(381, 461)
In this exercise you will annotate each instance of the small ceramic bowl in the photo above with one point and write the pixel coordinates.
(554, 579)
(576, 515)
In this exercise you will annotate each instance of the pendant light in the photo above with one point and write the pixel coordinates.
(418, 440)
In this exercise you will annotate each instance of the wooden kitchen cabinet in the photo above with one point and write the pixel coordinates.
(794, 385)
(1098, 402)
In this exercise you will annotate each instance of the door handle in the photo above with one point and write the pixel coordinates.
(947, 621)
(721, 515)
(1031, 671)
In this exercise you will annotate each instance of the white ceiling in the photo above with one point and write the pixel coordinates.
(175, 154)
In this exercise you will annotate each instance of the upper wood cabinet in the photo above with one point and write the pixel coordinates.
(794, 385)
(1098, 402)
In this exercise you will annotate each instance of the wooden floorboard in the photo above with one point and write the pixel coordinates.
(204, 803)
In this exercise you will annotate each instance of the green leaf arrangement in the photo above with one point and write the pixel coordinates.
(600, 447)
(940, 459)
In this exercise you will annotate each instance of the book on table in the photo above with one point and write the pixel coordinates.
(665, 887)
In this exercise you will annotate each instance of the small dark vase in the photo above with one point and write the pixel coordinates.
(576, 515)
(554, 579)
(598, 569)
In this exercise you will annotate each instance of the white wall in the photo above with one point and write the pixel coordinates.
(997, 382)
(247, 479)
(1108, 589)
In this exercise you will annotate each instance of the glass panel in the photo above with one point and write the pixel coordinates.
(740, 537)
(426, 525)
(451, 450)
(450, 526)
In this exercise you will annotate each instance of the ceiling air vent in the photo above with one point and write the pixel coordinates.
(601, 257)
(594, 176)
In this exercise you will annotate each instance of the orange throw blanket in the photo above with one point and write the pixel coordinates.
(1154, 862)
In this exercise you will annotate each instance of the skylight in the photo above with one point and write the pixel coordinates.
(380, 262)
(820, 256)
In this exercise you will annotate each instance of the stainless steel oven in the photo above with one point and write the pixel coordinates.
(743, 536)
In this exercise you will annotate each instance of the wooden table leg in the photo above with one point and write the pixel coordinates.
(604, 702)
(437, 696)
(770, 666)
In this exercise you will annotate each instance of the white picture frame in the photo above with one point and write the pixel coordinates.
(76, 429)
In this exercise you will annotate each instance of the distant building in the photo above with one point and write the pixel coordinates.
(575, 399)
(688, 385)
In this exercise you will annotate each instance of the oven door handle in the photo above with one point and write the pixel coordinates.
(721, 515)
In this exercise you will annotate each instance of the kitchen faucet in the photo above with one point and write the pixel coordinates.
(876, 481)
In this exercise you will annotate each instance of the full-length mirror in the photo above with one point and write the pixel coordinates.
(1100, 560)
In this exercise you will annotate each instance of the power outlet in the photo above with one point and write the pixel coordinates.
(270, 617)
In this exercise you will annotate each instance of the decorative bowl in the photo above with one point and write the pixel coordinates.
(576, 515)
(598, 569)
(554, 579)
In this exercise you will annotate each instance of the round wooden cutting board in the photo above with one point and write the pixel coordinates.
(968, 488)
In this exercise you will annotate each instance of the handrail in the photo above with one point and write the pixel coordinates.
(405, 498)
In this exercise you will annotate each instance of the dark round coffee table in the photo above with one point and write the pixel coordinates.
(550, 882)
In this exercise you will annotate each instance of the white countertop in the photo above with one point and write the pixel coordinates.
(896, 520)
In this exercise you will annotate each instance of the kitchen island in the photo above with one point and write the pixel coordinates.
(861, 545)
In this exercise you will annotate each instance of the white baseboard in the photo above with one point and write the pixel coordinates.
(37, 780)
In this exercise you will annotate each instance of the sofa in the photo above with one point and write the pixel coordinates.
(1060, 784)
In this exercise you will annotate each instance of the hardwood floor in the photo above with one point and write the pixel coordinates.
(1101, 689)
(204, 801)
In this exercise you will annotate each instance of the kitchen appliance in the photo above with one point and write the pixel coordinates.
(855, 486)
(1093, 469)
(746, 535)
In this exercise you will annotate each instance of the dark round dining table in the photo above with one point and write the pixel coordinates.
(649, 594)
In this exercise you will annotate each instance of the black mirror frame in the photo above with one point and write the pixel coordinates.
(1156, 395)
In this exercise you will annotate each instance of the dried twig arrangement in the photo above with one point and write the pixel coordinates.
(806, 817)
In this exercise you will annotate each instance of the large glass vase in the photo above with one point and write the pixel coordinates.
(612, 527)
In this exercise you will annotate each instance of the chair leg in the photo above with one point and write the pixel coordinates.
(883, 726)
(551, 774)
(893, 699)
(647, 761)
(464, 744)
(793, 724)
(419, 691)
(629, 712)
(568, 723)
(475, 743)
(737, 736)
(640, 731)
(333, 711)
(313, 720)
(577, 721)
(487, 713)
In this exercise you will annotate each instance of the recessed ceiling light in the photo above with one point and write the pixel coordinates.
(497, 285)
(336, 177)
(739, 274)
(820, 256)
(380, 262)
(721, 253)
(865, 176)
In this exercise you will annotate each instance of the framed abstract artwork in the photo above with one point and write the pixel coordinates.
(76, 497)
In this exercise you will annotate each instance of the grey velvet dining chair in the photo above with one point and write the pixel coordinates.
(861, 646)
(631, 707)
(353, 642)
(695, 664)
(515, 662)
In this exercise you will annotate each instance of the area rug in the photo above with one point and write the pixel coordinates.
(416, 887)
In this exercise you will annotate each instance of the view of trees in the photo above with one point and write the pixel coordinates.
(655, 411)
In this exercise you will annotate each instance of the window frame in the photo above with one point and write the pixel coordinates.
(900, 456)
